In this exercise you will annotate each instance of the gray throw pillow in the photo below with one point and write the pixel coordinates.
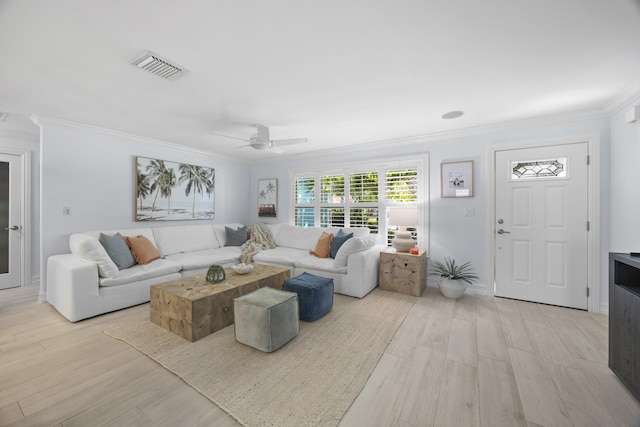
(338, 240)
(236, 237)
(118, 250)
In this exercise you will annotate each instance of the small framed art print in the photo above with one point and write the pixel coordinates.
(457, 179)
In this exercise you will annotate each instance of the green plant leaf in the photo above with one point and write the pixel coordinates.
(452, 271)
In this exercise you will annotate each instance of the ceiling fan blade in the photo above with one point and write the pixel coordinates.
(229, 136)
(281, 142)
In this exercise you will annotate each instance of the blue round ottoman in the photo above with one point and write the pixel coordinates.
(315, 295)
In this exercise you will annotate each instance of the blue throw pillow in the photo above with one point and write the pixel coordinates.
(236, 237)
(338, 240)
(118, 250)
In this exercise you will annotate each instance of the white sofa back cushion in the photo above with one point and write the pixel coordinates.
(90, 249)
(221, 233)
(185, 238)
(292, 236)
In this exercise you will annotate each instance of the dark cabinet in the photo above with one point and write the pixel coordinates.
(624, 319)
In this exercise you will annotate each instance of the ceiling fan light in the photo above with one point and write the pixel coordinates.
(259, 145)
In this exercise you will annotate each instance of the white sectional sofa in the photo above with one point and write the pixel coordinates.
(83, 284)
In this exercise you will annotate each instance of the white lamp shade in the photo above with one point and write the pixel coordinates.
(403, 217)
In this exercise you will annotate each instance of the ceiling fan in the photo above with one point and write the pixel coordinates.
(261, 141)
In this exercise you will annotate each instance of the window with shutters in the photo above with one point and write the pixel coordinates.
(401, 190)
(360, 196)
(304, 212)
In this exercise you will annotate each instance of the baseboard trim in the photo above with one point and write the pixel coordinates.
(604, 308)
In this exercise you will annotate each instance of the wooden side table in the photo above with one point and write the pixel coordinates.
(403, 272)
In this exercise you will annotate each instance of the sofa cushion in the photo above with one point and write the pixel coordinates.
(157, 268)
(275, 228)
(323, 245)
(185, 238)
(221, 234)
(281, 256)
(351, 246)
(90, 249)
(203, 259)
(338, 241)
(142, 249)
(236, 237)
(309, 262)
(292, 236)
(118, 250)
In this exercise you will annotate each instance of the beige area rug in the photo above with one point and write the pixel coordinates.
(311, 381)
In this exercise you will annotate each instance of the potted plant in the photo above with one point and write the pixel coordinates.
(454, 279)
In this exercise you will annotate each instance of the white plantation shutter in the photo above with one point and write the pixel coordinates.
(332, 189)
(401, 185)
(401, 190)
(363, 193)
(363, 187)
(304, 211)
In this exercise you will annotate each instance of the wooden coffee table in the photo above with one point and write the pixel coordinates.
(194, 308)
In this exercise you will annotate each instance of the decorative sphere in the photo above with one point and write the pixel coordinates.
(215, 274)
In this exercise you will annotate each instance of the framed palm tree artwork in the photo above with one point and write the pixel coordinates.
(171, 191)
(268, 198)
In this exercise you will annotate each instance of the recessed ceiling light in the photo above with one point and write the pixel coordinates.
(452, 114)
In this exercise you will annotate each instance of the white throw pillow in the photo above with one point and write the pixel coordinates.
(90, 249)
(351, 246)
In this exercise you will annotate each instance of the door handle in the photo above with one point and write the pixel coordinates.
(501, 231)
(14, 228)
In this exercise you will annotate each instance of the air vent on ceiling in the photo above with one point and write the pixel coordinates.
(159, 66)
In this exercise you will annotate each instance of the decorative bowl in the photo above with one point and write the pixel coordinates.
(242, 268)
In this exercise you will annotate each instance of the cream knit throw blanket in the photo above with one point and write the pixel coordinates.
(261, 238)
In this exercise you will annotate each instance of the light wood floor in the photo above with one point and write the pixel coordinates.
(479, 361)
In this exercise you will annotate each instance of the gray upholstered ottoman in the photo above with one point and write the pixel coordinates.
(266, 319)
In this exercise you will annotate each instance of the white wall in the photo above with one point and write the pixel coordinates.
(32, 144)
(625, 190)
(93, 173)
(451, 233)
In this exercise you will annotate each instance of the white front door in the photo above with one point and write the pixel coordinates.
(541, 224)
(11, 232)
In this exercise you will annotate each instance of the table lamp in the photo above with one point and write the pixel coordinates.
(401, 218)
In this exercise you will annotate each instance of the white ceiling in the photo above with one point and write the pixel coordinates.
(337, 72)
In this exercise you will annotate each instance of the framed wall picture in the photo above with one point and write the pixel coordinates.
(170, 191)
(268, 198)
(457, 179)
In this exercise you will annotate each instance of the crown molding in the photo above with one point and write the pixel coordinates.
(624, 98)
(41, 120)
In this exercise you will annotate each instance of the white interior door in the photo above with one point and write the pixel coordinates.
(11, 232)
(541, 224)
